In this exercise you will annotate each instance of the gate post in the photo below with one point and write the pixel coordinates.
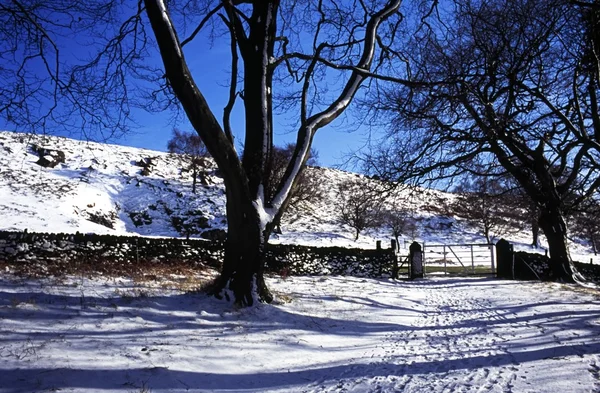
(445, 262)
(395, 267)
(504, 255)
(492, 256)
(416, 260)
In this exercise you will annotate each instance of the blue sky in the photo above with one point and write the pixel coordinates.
(210, 67)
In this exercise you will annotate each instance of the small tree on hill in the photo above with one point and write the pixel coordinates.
(399, 222)
(305, 191)
(190, 144)
(480, 200)
(358, 208)
(586, 223)
(528, 211)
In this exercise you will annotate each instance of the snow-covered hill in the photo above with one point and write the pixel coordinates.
(100, 188)
(111, 189)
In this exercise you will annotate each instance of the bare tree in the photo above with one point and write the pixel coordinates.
(266, 35)
(586, 223)
(307, 189)
(313, 55)
(482, 201)
(508, 81)
(521, 204)
(190, 145)
(400, 222)
(358, 207)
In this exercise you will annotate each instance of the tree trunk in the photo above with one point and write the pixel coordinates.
(247, 235)
(553, 224)
(535, 232)
(243, 266)
(194, 177)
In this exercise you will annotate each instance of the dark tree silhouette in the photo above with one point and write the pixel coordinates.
(482, 201)
(71, 66)
(509, 81)
(400, 222)
(190, 145)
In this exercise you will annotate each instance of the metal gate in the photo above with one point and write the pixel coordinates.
(461, 259)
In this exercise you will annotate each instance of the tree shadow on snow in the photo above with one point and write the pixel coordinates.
(30, 312)
(161, 378)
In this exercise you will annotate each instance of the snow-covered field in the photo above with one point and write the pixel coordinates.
(330, 334)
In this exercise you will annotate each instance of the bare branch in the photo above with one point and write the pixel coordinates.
(232, 83)
(201, 24)
(316, 121)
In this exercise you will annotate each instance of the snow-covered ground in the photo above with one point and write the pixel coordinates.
(329, 334)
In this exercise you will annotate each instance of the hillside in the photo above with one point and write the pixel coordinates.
(55, 184)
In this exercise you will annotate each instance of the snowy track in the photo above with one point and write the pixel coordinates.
(336, 335)
(468, 340)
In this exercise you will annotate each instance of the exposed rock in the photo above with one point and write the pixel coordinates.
(192, 223)
(48, 158)
(147, 164)
(140, 218)
(214, 234)
(102, 218)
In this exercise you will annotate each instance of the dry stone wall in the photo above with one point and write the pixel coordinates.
(46, 248)
(521, 265)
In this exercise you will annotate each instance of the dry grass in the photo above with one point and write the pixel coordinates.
(145, 275)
